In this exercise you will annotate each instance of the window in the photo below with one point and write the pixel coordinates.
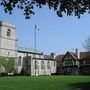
(8, 53)
(34, 55)
(19, 61)
(36, 64)
(54, 63)
(48, 65)
(68, 63)
(42, 65)
(39, 56)
(8, 32)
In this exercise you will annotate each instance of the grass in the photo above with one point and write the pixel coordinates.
(45, 83)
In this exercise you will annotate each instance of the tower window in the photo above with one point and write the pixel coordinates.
(8, 32)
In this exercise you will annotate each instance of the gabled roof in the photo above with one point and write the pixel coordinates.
(74, 56)
(70, 55)
(83, 55)
(61, 57)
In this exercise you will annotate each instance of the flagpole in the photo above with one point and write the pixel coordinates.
(35, 48)
(35, 43)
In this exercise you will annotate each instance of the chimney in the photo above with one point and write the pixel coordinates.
(53, 55)
(77, 53)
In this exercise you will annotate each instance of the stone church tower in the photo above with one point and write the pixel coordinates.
(8, 42)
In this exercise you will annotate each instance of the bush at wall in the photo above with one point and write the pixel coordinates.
(7, 62)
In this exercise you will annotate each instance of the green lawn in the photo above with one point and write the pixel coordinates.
(45, 83)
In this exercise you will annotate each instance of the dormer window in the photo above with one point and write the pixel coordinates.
(8, 32)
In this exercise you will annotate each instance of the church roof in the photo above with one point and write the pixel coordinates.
(28, 50)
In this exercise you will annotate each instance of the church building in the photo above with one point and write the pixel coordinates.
(14, 59)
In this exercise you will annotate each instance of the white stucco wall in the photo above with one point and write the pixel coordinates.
(39, 71)
(44, 71)
(8, 48)
(8, 44)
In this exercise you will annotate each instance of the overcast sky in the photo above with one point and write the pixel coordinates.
(56, 34)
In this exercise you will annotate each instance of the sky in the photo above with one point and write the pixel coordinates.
(56, 34)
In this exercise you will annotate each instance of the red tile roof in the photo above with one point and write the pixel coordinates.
(73, 55)
(59, 57)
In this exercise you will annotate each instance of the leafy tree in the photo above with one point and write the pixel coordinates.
(87, 44)
(70, 7)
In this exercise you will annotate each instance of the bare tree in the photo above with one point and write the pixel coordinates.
(87, 44)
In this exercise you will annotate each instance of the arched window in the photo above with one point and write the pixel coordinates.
(19, 61)
(8, 32)
(48, 65)
(36, 64)
(54, 63)
(42, 65)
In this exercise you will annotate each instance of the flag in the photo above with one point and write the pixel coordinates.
(37, 27)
